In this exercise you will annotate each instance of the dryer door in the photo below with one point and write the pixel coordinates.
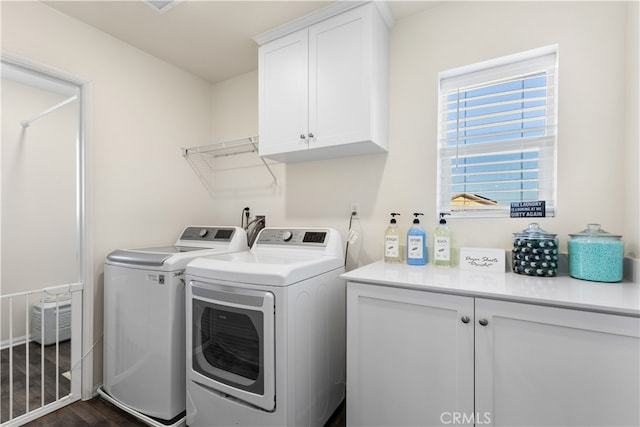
(233, 342)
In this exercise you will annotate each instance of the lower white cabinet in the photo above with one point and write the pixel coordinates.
(409, 356)
(425, 358)
(546, 366)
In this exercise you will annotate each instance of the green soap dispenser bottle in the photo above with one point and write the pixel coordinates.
(392, 241)
(442, 243)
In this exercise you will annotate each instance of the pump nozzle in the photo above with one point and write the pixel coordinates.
(393, 217)
(416, 220)
(442, 220)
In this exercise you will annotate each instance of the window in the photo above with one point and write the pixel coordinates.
(497, 135)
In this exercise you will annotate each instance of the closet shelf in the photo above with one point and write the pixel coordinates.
(208, 159)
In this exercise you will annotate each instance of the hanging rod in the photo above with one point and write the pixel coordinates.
(26, 123)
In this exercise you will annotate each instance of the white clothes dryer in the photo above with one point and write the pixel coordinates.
(266, 332)
(144, 322)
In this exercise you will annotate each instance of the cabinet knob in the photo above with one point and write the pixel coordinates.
(465, 319)
(302, 136)
(483, 322)
(310, 135)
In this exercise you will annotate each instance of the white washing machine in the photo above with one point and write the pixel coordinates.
(266, 332)
(144, 322)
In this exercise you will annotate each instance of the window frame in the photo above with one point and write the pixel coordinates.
(541, 60)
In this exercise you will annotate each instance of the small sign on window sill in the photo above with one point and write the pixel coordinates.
(482, 259)
(535, 209)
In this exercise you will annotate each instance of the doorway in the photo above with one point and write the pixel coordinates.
(46, 271)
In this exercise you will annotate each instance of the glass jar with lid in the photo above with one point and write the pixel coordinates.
(596, 255)
(535, 252)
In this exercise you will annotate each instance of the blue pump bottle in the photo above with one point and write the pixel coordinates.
(416, 243)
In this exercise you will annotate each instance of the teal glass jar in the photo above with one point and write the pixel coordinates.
(596, 255)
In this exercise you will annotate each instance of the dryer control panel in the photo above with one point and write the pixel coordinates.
(293, 237)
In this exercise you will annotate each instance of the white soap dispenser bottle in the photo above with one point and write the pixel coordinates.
(442, 243)
(392, 241)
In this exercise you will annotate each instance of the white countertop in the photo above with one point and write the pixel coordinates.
(562, 290)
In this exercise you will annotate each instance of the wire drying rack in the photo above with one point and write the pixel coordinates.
(220, 165)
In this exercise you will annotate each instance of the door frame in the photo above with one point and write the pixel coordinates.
(85, 208)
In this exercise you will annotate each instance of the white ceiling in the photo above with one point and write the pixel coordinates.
(211, 39)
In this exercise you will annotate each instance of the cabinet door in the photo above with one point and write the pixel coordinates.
(544, 366)
(339, 79)
(409, 356)
(283, 94)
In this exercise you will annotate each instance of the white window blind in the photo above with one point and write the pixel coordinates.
(497, 134)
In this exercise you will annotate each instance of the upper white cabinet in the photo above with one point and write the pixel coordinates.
(323, 89)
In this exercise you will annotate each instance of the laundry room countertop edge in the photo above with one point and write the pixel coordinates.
(621, 298)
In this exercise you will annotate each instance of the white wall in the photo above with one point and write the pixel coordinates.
(632, 136)
(235, 116)
(144, 110)
(38, 190)
(38, 195)
(594, 90)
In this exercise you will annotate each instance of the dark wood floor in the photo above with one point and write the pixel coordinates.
(97, 412)
(35, 377)
(93, 412)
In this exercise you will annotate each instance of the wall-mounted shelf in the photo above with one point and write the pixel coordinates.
(216, 163)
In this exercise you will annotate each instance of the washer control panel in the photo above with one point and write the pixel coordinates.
(207, 234)
(293, 237)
